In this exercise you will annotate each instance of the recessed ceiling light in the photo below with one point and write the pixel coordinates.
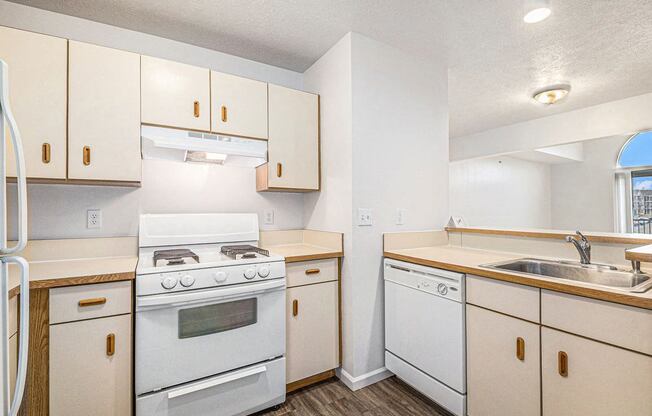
(552, 94)
(536, 10)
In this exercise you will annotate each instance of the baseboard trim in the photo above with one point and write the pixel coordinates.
(356, 383)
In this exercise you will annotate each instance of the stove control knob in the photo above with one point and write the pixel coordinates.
(250, 274)
(219, 276)
(442, 289)
(169, 282)
(187, 280)
(263, 271)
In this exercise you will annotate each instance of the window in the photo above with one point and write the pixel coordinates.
(635, 161)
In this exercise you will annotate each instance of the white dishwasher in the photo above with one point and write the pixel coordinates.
(425, 341)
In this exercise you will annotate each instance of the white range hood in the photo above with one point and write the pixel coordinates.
(191, 146)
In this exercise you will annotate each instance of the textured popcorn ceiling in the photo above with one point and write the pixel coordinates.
(602, 47)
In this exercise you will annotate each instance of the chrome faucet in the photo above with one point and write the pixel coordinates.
(582, 245)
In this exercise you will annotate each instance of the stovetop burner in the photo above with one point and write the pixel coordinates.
(174, 257)
(244, 251)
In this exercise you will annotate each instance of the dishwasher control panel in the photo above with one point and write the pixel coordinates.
(438, 282)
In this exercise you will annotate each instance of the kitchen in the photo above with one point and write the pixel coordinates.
(308, 192)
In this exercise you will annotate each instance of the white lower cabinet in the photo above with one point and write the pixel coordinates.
(91, 367)
(585, 377)
(502, 364)
(312, 330)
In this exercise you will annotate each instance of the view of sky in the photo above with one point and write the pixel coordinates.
(638, 153)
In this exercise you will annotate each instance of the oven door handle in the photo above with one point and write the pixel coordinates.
(193, 296)
(216, 382)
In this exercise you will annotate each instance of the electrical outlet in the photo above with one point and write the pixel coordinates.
(401, 213)
(269, 217)
(94, 218)
(365, 217)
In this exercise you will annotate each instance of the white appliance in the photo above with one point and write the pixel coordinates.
(192, 146)
(425, 331)
(210, 317)
(7, 255)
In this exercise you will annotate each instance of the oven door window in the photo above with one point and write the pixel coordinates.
(220, 317)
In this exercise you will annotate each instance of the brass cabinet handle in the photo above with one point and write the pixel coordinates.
(224, 115)
(87, 155)
(110, 344)
(520, 348)
(279, 170)
(92, 302)
(295, 307)
(562, 360)
(312, 271)
(45, 152)
(196, 108)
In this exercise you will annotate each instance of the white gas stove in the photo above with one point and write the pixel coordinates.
(210, 317)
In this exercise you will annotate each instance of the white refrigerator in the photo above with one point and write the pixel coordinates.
(8, 253)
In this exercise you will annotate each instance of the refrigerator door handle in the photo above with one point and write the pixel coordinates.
(23, 335)
(21, 183)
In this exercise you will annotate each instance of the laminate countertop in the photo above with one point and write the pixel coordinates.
(69, 272)
(469, 260)
(303, 252)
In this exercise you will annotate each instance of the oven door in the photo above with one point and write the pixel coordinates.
(186, 336)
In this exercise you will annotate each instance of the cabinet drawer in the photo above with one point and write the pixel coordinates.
(309, 272)
(621, 325)
(510, 298)
(74, 303)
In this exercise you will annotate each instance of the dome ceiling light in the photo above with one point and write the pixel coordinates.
(551, 94)
(536, 10)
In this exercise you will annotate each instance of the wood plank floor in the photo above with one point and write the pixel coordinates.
(389, 397)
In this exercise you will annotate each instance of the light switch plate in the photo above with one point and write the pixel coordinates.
(268, 217)
(94, 218)
(365, 217)
(401, 214)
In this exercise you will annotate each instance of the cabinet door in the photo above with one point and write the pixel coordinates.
(37, 91)
(86, 377)
(293, 145)
(312, 330)
(239, 106)
(598, 379)
(104, 122)
(175, 94)
(501, 380)
(13, 364)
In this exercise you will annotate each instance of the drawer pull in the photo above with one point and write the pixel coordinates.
(196, 108)
(520, 348)
(45, 152)
(87, 155)
(110, 345)
(312, 271)
(224, 115)
(295, 307)
(562, 359)
(92, 302)
(279, 170)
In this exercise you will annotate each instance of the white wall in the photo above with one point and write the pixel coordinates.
(501, 192)
(60, 211)
(583, 193)
(620, 117)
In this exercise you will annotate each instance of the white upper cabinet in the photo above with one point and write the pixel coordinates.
(293, 145)
(104, 116)
(238, 105)
(175, 94)
(37, 92)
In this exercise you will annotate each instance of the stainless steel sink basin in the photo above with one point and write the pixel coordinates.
(595, 274)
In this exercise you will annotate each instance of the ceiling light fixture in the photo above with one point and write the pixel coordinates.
(552, 94)
(536, 10)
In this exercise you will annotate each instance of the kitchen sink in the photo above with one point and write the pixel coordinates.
(595, 274)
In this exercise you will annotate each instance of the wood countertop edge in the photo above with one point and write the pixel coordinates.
(75, 281)
(320, 256)
(621, 298)
(642, 254)
(559, 235)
